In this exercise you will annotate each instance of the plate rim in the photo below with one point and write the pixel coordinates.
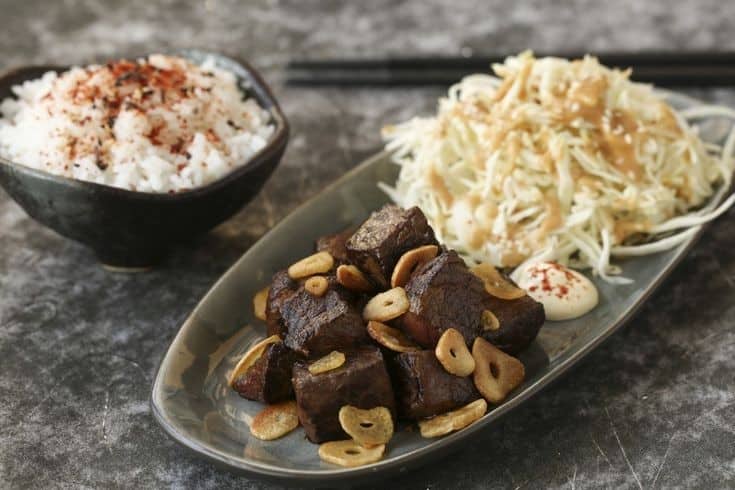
(414, 457)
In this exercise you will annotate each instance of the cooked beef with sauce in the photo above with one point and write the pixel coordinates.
(520, 321)
(268, 380)
(443, 294)
(282, 288)
(318, 325)
(424, 388)
(387, 234)
(362, 381)
(336, 245)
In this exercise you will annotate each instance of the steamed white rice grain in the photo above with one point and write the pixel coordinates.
(160, 124)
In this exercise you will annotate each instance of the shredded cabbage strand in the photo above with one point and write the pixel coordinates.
(561, 160)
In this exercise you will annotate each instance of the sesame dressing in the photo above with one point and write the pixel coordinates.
(557, 159)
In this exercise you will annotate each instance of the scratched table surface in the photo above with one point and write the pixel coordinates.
(79, 346)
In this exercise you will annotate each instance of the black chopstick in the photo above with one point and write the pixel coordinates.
(661, 68)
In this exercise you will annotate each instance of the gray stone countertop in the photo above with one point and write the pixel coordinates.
(79, 346)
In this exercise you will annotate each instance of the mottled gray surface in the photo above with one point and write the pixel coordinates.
(653, 407)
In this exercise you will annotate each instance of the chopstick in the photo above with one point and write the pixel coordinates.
(688, 69)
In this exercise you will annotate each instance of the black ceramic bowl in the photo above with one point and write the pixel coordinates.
(128, 229)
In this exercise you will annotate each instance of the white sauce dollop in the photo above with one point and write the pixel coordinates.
(565, 294)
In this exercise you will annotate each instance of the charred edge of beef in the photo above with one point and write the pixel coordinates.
(362, 381)
(336, 245)
(269, 379)
(520, 321)
(282, 288)
(424, 388)
(380, 241)
(443, 294)
(318, 325)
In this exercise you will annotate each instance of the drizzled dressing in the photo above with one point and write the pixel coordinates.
(615, 135)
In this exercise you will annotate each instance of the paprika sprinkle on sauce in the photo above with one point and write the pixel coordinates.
(565, 293)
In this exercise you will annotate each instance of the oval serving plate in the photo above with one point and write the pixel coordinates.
(191, 399)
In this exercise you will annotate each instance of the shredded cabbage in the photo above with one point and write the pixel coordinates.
(560, 160)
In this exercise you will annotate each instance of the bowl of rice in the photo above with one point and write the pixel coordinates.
(134, 156)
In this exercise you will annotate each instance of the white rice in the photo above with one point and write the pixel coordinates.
(161, 124)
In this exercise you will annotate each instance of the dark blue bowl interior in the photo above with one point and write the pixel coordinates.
(130, 229)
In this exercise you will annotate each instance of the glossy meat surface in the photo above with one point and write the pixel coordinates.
(362, 381)
(424, 388)
(269, 379)
(443, 294)
(387, 234)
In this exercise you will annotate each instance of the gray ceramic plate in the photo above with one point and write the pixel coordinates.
(195, 406)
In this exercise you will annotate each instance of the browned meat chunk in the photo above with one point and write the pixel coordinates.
(443, 294)
(282, 287)
(520, 321)
(269, 379)
(380, 241)
(424, 388)
(318, 325)
(336, 245)
(362, 381)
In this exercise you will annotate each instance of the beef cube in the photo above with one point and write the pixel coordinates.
(362, 381)
(424, 388)
(520, 321)
(443, 294)
(380, 241)
(269, 379)
(318, 325)
(336, 245)
(282, 287)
